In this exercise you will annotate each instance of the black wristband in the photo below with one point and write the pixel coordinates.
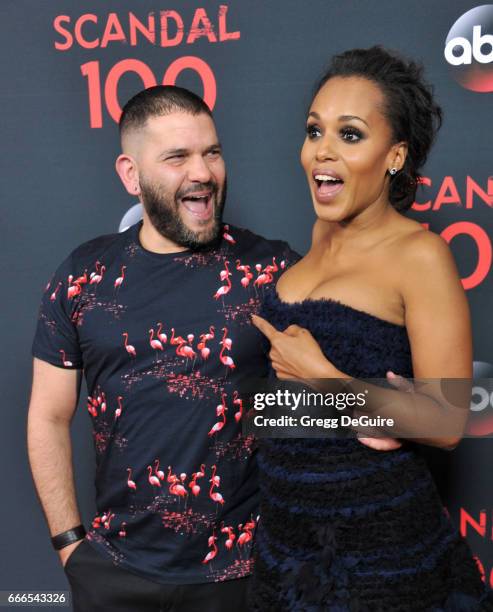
(68, 537)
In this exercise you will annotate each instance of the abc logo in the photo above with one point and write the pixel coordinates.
(481, 416)
(469, 49)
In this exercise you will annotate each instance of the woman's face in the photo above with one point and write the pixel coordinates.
(348, 149)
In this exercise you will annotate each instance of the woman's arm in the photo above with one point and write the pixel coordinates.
(437, 318)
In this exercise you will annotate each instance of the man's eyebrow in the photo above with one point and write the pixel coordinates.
(214, 147)
(171, 152)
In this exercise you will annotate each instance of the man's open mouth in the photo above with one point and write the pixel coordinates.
(200, 205)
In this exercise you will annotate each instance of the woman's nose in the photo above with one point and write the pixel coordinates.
(326, 150)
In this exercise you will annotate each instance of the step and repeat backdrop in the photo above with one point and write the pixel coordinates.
(67, 69)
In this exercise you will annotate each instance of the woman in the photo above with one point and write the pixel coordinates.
(344, 526)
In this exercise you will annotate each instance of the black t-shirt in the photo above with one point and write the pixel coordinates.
(165, 341)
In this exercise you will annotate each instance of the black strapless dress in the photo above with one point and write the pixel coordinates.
(344, 527)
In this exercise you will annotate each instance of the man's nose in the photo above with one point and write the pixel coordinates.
(198, 170)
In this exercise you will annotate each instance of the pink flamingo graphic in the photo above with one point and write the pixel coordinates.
(57, 289)
(155, 344)
(128, 347)
(185, 350)
(162, 337)
(107, 522)
(92, 407)
(122, 533)
(215, 496)
(246, 535)
(220, 412)
(263, 278)
(245, 281)
(212, 544)
(238, 402)
(131, 484)
(176, 340)
(118, 282)
(159, 473)
(193, 485)
(171, 478)
(97, 278)
(82, 280)
(201, 472)
(224, 289)
(204, 350)
(103, 402)
(66, 362)
(118, 411)
(153, 480)
(215, 479)
(271, 267)
(226, 343)
(96, 523)
(74, 290)
(93, 274)
(178, 489)
(223, 275)
(231, 535)
(251, 524)
(228, 236)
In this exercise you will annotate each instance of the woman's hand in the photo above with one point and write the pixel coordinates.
(295, 354)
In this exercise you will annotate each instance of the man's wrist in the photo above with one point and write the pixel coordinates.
(68, 537)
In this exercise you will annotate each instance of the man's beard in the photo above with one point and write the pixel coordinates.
(163, 211)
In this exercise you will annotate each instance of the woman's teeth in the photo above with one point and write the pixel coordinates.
(323, 178)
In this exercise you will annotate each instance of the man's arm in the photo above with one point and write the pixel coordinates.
(53, 402)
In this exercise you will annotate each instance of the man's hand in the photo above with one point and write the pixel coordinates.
(65, 552)
(386, 444)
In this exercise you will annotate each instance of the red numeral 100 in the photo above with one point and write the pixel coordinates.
(92, 72)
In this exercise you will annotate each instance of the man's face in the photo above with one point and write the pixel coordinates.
(182, 178)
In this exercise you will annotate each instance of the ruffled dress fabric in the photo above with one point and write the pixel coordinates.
(344, 527)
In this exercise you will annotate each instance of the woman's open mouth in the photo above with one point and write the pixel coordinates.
(327, 185)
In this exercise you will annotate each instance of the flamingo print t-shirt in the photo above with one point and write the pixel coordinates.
(165, 341)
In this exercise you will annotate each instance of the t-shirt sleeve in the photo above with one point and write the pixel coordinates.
(56, 339)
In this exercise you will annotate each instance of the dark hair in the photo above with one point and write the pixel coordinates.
(157, 101)
(409, 107)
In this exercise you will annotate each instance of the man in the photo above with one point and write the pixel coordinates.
(158, 317)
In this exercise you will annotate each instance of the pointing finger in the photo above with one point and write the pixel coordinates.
(264, 326)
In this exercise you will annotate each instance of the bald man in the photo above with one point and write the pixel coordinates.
(158, 320)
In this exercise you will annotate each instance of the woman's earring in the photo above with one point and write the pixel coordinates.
(393, 171)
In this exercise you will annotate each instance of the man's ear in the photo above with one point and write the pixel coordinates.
(126, 168)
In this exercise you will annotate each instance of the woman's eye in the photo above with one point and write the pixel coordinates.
(312, 131)
(351, 134)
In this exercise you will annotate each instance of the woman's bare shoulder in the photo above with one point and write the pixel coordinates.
(419, 246)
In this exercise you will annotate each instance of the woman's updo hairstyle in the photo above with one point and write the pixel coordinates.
(409, 108)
